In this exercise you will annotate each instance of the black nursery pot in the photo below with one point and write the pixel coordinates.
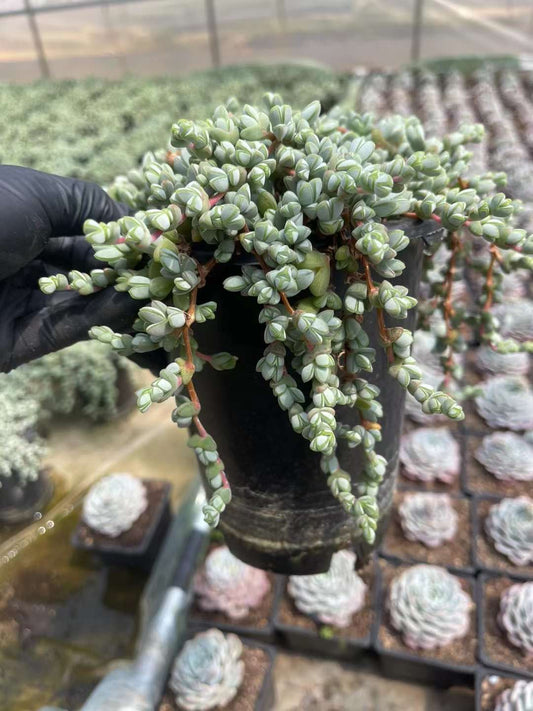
(283, 516)
(127, 550)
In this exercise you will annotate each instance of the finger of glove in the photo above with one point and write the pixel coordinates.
(69, 321)
(71, 253)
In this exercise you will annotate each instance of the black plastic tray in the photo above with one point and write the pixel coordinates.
(409, 666)
(507, 568)
(310, 642)
(486, 660)
(266, 635)
(142, 555)
(461, 570)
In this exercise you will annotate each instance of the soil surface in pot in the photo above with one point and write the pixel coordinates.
(155, 491)
(487, 556)
(479, 481)
(491, 688)
(456, 553)
(496, 648)
(256, 663)
(258, 617)
(361, 625)
(460, 652)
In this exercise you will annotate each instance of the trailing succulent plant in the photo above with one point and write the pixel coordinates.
(81, 378)
(21, 447)
(518, 698)
(494, 363)
(506, 455)
(509, 525)
(208, 671)
(301, 192)
(430, 454)
(428, 518)
(227, 584)
(428, 606)
(332, 597)
(114, 503)
(506, 401)
(516, 616)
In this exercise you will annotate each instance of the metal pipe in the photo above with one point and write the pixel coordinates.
(37, 40)
(417, 30)
(212, 29)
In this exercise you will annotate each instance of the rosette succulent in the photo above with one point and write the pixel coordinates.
(333, 597)
(428, 606)
(430, 454)
(303, 193)
(509, 525)
(518, 698)
(516, 616)
(490, 361)
(208, 672)
(506, 402)
(226, 584)
(507, 456)
(114, 503)
(428, 518)
(516, 319)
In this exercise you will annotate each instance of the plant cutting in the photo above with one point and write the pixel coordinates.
(427, 627)
(430, 455)
(217, 671)
(504, 615)
(429, 527)
(509, 526)
(233, 595)
(329, 613)
(124, 519)
(314, 217)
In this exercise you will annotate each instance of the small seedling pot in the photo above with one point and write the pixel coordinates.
(490, 683)
(315, 638)
(425, 666)
(258, 624)
(137, 547)
(257, 690)
(494, 649)
(22, 502)
(455, 555)
(486, 558)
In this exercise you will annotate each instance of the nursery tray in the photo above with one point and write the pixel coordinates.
(501, 564)
(482, 631)
(506, 680)
(140, 555)
(265, 694)
(265, 634)
(310, 642)
(413, 552)
(409, 666)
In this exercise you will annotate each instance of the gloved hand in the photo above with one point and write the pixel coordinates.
(41, 219)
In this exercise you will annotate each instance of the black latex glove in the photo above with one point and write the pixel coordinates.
(41, 219)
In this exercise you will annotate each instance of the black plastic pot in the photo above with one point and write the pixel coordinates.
(482, 650)
(265, 634)
(283, 517)
(23, 502)
(142, 556)
(311, 642)
(507, 568)
(409, 666)
(485, 673)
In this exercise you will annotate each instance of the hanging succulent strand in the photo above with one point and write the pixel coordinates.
(301, 192)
